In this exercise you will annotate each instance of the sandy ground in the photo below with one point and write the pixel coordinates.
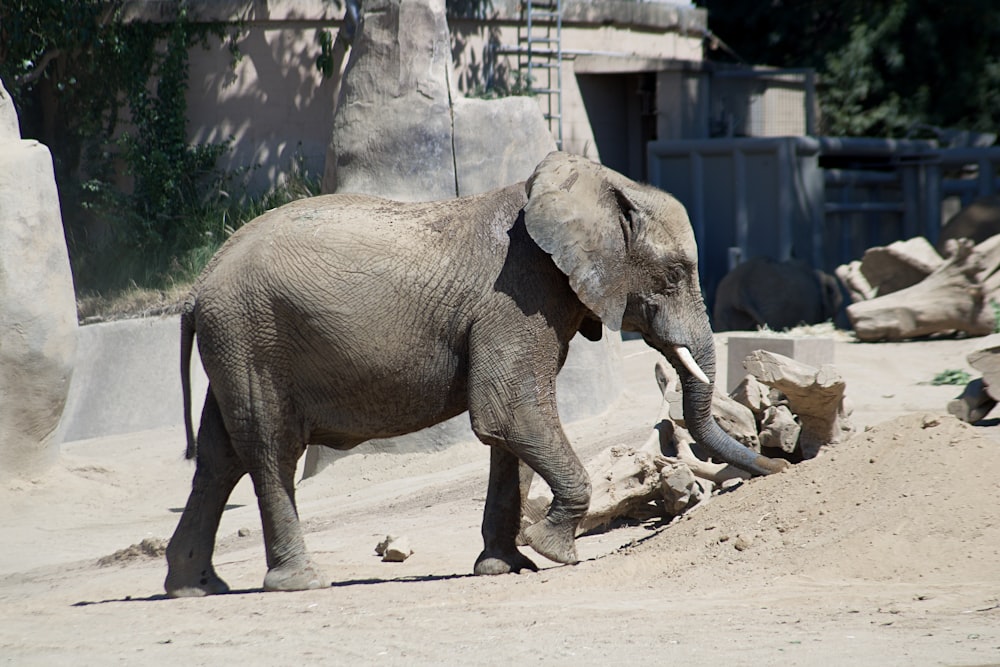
(883, 551)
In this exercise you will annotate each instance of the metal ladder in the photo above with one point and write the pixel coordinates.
(539, 58)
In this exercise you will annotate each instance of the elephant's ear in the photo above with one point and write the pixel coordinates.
(576, 214)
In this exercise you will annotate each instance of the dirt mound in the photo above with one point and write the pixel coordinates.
(913, 498)
(149, 548)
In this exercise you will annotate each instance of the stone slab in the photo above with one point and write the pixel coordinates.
(814, 351)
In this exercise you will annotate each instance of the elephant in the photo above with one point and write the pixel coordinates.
(978, 221)
(340, 318)
(780, 295)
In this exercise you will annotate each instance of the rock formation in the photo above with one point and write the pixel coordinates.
(401, 130)
(37, 303)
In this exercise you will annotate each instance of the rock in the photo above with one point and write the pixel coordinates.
(402, 131)
(680, 489)
(10, 129)
(394, 549)
(815, 396)
(392, 129)
(752, 395)
(498, 142)
(37, 305)
(779, 430)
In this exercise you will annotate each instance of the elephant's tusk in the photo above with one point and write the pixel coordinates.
(690, 364)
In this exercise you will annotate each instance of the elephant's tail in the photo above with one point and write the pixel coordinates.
(187, 344)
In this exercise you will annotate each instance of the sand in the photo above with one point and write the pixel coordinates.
(885, 550)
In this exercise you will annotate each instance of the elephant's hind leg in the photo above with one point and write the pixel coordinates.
(502, 518)
(272, 468)
(189, 555)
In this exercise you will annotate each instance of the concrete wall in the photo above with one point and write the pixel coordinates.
(127, 379)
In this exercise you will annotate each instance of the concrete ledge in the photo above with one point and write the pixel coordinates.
(813, 351)
(127, 379)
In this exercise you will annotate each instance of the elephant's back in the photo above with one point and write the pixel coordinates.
(345, 254)
(353, 225)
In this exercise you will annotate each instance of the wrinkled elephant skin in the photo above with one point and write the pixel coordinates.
(340, 318)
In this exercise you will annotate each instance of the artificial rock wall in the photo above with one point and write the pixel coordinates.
(403, 131)
(37, 303)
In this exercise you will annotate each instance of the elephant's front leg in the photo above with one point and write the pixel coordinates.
(512, 407)
(502, 518)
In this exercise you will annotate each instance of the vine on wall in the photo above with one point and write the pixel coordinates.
(107, 96)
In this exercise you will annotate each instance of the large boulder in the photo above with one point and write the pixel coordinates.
(392, 131)
(37, 303)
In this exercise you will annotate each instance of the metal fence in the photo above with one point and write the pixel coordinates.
(824, 200)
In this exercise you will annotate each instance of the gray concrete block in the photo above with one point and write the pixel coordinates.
(127, 379)
(807, 350)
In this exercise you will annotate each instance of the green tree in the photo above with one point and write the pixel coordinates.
(107, 96)
(885, 65)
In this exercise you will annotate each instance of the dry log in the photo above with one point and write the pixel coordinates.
(973, 404)
(816, 396)
(899, 265)
(677, 442)
(887, 269)
(858, 288)
(625, 479)
(986, 360)
(989, 257)
(949, 299)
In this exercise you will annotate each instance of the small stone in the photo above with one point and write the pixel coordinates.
(243, 532)
(394, 549)
(742, 543)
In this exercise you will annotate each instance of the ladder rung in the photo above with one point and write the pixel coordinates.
(543, 66)
(546, 91)
(548, 4)
(544, 15)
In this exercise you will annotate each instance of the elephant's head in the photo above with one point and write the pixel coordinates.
(630, 255)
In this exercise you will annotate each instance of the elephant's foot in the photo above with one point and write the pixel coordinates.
(185, 586)
(554, 541)
(295, 577)
(496, 562)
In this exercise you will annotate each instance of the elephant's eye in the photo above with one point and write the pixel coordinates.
(674, 276)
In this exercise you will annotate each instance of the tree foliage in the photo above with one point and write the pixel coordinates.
(107, 96)
(886, 66)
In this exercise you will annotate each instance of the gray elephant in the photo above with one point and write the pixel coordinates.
(340, 318)
(780, 295)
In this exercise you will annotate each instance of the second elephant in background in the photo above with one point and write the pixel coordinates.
(780, 295)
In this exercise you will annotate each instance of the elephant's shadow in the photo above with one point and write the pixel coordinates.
(333, 584)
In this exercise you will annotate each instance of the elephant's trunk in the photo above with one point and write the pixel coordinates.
(698, 417)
